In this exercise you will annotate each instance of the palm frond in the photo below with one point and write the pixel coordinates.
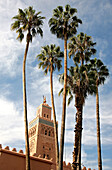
(61, 78)
(72, 11)
(20, 37)
(28, 21)
(81, 48)
(60, 8)
(70, 99)
(60, 92)
(15, 25)
(39, 31)
(50, 55)
(60, 17)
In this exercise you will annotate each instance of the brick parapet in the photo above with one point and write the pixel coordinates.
(84, 168)
(21, 154)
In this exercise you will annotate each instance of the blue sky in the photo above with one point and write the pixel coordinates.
(97, 22)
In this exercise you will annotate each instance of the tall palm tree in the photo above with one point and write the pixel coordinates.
(78, 87)
(100, 72)
(50, 59)
(64, 23)
(29, 21)
(81, 48)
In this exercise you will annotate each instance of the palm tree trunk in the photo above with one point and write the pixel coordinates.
(76, 144)
(78, 134)
(80, 137)
(54, 118)
(64, 106)
(98, 130)
(25, 109)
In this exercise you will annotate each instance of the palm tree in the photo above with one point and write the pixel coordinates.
(100, 72)
(31, 22)
(81, 48)
(78, 87)
(64, 23)
(50, 59)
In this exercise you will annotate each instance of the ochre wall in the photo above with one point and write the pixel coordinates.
(11, 160)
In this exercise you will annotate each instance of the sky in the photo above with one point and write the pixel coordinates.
(97, 22)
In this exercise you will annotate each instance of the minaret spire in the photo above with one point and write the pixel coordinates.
(44, 99)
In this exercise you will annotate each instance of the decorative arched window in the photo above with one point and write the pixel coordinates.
(53, 134)
(47, 116)
(45, 132)
(43, 155)
(44, 115)
(49, 133)
(42, 130)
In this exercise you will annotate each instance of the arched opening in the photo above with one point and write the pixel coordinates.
(47, 156)
(43, 155)
(49, 133)
(45, 132)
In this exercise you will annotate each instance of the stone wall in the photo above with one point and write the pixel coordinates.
(13, 160)
(84, 168)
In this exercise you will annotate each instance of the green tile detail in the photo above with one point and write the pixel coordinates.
(34, 123)
(47, 107)
(39, 120)
(46, 122)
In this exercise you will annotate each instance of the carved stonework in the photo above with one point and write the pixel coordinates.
(32, 131)
(32, 145)
(46, 130)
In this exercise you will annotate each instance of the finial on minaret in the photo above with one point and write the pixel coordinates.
(44, 99)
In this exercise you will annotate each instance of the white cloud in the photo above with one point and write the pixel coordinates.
(10, 53)
(11, 122)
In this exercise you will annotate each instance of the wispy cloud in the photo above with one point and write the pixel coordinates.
(11, 123)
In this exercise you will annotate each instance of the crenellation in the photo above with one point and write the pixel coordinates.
(34, 154)
(7, 148)
(14, 149)
(46, 157)
(21, 151)
(84, 168)
(64, 163)
(51, 159)
(39, 156)
(69, 165)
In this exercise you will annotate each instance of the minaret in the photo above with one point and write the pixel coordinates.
(41, 133)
